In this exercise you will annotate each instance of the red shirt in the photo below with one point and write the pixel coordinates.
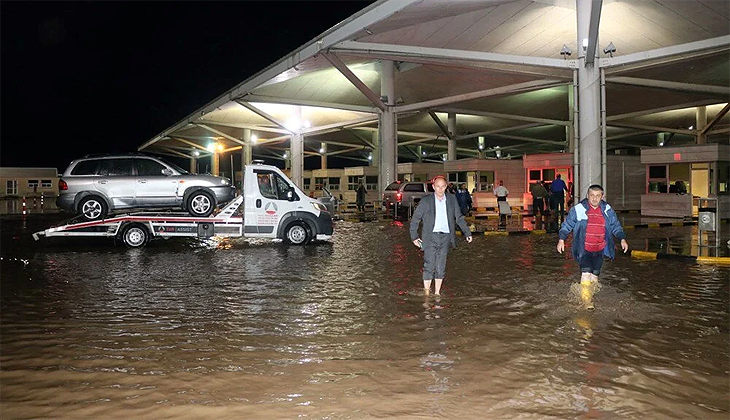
(596, 230)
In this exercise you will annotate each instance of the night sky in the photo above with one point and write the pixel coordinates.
(101, 77)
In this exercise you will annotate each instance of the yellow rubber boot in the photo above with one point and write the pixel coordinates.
(586, 293)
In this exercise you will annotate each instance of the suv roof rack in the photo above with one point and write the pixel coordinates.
(98, 155)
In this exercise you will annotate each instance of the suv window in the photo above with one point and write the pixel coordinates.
(116, 167)
(148, 167)
(85, 167)
(393, 187)
(413, 187)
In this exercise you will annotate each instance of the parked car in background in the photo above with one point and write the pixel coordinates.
(399, 196)
(93, 187)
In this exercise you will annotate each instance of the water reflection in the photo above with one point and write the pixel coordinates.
(252, 329)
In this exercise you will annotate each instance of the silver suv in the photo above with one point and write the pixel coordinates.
(96, 186)
(405, 194)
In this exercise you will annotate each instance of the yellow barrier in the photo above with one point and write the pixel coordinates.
(495, 233)
(643, 255)
(714, 260)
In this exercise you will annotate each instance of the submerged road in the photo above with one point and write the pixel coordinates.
(249, 329)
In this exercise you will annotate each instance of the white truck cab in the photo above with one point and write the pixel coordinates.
(276, 208)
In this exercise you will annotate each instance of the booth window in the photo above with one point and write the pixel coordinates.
(486, 181)
(46, 183)
(371, 182)
(32, 183)
(535, 175)
(320, 182)
(457, 177)
(307, 183)
(334, 183)
(11, 187)
(549, 174)
(723, 178)
(657, 182)
(353, 182)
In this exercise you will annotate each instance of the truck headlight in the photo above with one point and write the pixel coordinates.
(319, 206)
(225, 181)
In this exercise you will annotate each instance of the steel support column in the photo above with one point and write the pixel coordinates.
(589, 92)
(297, 151)
(193, 165)
(700, 123)
(246, 152)
(323, 152)
(387, 127)
(451, 126)
(375, 161)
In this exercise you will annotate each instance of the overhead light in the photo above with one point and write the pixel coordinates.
(321, 150)
(220, 147)
(211, 147)
(370, 156)
(610, 49)
(293, 124)
(285, 155)
(565, 51)
(196, 153)
(423, 153)
(307, 124)
(691, 127)
(585, 44)
(254, 138)
(661, 144)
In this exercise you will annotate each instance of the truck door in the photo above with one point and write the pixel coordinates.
(266, 201)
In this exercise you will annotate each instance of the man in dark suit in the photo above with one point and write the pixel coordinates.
(440, 213)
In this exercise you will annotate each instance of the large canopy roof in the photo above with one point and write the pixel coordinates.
(496, 64)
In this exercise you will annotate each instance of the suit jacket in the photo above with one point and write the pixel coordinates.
(426, 213)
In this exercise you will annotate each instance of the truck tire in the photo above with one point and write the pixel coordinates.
(297, 233)
(200, 204)
(92, 208)
(135, 235)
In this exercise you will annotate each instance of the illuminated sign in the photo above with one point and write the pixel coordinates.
(677, 156)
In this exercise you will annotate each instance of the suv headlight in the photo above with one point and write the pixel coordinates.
(225, 181)
(319, 206)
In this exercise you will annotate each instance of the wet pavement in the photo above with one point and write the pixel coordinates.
(254, 329)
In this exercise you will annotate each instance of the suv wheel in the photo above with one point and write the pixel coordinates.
(92, 208)
(200, 204)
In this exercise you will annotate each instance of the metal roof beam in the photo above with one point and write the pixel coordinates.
(220, 133)
(690, 47)
(502, 90)
(595, 19)
(189, 143)
(349, 75)
(529, 139)
(440, 124)
(242, 125)
(305, 102)
(339, 125)
(653, 128)
(717, 118)
(662, 109)
(498, 130)
(263, 114)
(634, 134)
(723, 91)
(339, 152)
(504, 116)
(361, 138)
(400, 51)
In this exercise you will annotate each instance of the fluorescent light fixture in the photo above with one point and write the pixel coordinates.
(211, 147)
(254, 138)
(585, 44)
(285, 155)
(370, 156)
(196, 153)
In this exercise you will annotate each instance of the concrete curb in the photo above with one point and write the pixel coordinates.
(646, 255)
(658, 225)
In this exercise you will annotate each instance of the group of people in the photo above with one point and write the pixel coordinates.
(553, 196)
(592, 223)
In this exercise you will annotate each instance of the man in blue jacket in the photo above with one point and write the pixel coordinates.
(593, 224)
(440, 214)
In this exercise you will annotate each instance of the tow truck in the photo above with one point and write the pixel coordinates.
(273, 208)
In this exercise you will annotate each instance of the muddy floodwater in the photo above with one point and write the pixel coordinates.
(236, 329)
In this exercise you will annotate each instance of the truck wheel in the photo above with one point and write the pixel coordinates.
(297, 234)
(92, 208)
(200, 204)
(135, 236)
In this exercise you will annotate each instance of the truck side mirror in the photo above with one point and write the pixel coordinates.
(290, 194)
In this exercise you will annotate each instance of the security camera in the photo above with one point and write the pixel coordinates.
(610, 49)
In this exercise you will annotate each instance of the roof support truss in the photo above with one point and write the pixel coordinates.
(445, 54)
(305, 102)
(653, 128)
(220, 133)
(263, 114)
(717, 118)
(504, 116)
(593, 31)
(441, 125)
(502, 90)
(706, 44)
(349, 75)
(662, 109)
(723, 91)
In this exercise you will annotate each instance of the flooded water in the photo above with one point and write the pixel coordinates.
(238, 329)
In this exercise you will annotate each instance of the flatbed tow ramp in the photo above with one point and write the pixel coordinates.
(136, 229)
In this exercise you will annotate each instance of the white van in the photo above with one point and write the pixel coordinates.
(276, 208)
(273, 207)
